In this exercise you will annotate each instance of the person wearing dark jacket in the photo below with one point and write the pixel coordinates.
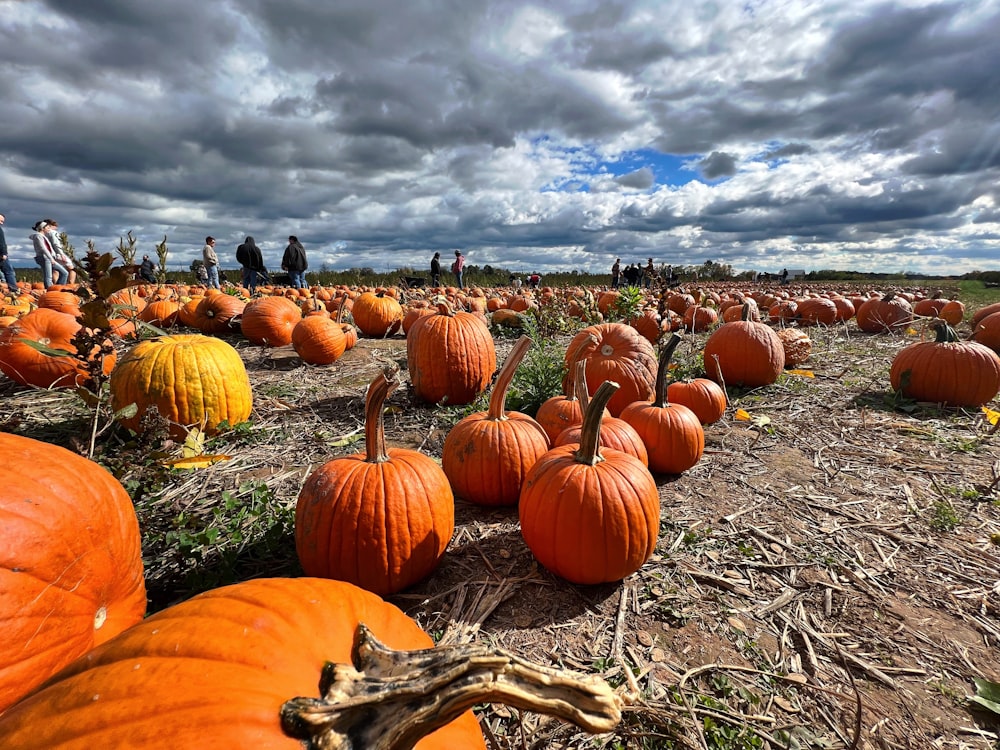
(250, 258)
(5, 266)
(436, 270)
(294, 261)
(147, 270)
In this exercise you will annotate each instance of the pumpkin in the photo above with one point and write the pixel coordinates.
(952, 313)
(450, 356)
(590, 515)
(982, 312)
(54, 330)
(647, 323)
(816, 311)
(268, 321)
(884, 314)
(615, 352)
(987, 332)
(191, 380)
(946, 371)
(615, 433)
(161, 313)
(377, 314)
(71, 572)
(379, 519)
(318, 340)
(930, 307)
(218, 313)
(487, 454)
(349, 331)
(672, 433)
(227, 668)
(796, 344)
(744, 353)
(702, 396)
(557, 413)
(698, 319)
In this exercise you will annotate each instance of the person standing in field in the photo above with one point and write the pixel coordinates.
(44, 256)
(5, 266)
(294, 261)
(211, 260)
(458, 268)
(648, 273)
(436, 270)
(616, 273)
(251, 260)
(59, 256)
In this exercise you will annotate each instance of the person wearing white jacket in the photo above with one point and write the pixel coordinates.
(63, 265)
(45, 256)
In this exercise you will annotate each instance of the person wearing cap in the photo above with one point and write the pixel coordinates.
(5, 266)
(294, 261)
(211, 260)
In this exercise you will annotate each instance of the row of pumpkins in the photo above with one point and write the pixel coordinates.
(380, 520)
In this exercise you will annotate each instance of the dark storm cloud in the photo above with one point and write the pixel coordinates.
(641, 179)
(716, 165)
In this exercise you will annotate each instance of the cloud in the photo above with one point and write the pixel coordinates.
(534, 135)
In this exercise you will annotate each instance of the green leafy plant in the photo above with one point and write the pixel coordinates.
(539, 377)
(627, 305)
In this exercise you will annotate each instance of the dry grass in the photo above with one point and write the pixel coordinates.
(825, 574)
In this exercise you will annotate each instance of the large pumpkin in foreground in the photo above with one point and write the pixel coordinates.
(70, 562)
(290, 663)
(192, 380)
(214, 671)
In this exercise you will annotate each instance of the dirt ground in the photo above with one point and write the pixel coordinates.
(827, 576)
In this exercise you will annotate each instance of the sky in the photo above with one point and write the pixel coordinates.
(546, 136)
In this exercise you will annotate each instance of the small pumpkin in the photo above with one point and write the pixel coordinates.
(487, 454)
(590, 515)
(702, 396)
(796, 344)
(947, 370)
(318, 340)
(672, 433)
(377, 314)
(379, 519)
(884, 314)
(268, 321)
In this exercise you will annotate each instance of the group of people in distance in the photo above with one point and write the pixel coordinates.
(457, 268)
(251, 260)
(635, 275)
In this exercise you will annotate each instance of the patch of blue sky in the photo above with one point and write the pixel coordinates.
(668, 169)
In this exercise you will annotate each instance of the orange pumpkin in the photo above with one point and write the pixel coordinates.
(377, 314)
(379, 519)
(70, 563)
(268, 321)
(218, 313)
(55, 330)
(450, 356)
(672, 433)
(590, 515)
(615, 352)
(318, 340)
(744, 353)
(487, 454)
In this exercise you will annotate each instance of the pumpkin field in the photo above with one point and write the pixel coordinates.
(784, 532)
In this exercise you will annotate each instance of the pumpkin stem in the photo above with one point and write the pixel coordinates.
(505, 376)
(745, 311)
(945, 333)
(380, 389)
(590, 431)
(444, 308)
(662, 369)
(580, 385)
(389, 700)
(340, 308)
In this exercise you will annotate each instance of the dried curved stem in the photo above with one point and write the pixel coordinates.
(499, 395)
(380, 389)
(590, 431)
(389, 700)
(662, 370)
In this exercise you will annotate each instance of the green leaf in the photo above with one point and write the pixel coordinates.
(987, 695)
(127, 412)
(48, 351)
